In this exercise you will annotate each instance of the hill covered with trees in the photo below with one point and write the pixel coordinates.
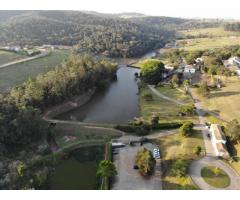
(113, 35)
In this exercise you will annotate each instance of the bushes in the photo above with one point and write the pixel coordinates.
(144, 128)
(145, 162)
(179, 168)
(188, 109)
(197, 150)
(186, 129)
(203, 89)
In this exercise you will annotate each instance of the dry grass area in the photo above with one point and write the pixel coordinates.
(175, 147)
(225, 101)
(166, 110)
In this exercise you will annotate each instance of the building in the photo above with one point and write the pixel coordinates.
(234, 61)
(219, 141)
(189, 69)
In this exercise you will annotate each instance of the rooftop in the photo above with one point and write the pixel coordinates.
(218, 132)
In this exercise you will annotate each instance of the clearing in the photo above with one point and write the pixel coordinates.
(6, 57)
(16, 74)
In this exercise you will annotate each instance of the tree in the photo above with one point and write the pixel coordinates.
(154, 121)
(203, 89)
(106, 169)
(188, 109)
(175, 80)
(152, 71)
(216, 171)
(145, 162)
(186, 129)
(233, 130)
(179, 168)
(197, 150)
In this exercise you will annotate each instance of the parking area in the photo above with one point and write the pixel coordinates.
(129, 178)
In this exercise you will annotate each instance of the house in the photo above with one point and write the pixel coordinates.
(219, 141)
(189, 69)
(168, 67)
(234, 61)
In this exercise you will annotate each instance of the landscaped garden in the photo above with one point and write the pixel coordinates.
(215, 177)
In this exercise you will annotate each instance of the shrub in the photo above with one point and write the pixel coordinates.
(186, 129)
(145, 162)
(203, 89)
(188, 109)
(179, 168)
(154, 121)
(148, 97)
(197, 150)
(170, 125)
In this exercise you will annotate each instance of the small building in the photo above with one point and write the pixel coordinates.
(219, 141)
(234, 61)
(189, 69)
(168, 67)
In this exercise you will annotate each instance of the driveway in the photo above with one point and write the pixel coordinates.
(210, 159)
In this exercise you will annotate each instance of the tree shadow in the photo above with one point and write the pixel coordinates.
(223, 94)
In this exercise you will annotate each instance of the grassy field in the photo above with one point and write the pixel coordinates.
(225, 101)
(166, 110)
(175, 147)
(209, 32)
(221, 180)
(17, 74)
(68, 135)
(6, 57)
(207, 43)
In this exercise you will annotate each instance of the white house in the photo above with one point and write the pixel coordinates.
(189, 69)
(219, 141)
(168, 67)
(234, 61)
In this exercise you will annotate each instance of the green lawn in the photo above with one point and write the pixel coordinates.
(221, 180)
(225, 100)
(175, 147)
(166, 110)
(6, 57)
(17, 74)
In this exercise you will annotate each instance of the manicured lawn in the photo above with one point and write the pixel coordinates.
(208, 43)
(221, 180)
(225, 100)
(6, 57)
(166, 110)
(175, 147)
(210, 32)
(17, 74)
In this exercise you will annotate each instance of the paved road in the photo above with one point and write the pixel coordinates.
(42, 54)
(156, 92)
(210, 159)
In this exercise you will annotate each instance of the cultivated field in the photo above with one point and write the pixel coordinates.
(17, 74)
(6, 57)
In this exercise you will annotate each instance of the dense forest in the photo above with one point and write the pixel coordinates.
(20, 110)
(128, 34)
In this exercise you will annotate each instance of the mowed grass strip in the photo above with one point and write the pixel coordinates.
(16, 74)
(175, 147)
(220, 180)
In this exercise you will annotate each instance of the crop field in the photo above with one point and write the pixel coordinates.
(17, 74)
(6, 57)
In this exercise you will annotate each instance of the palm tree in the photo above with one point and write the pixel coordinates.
(106, 169)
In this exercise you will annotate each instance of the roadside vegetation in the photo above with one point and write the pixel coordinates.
(7, 56)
